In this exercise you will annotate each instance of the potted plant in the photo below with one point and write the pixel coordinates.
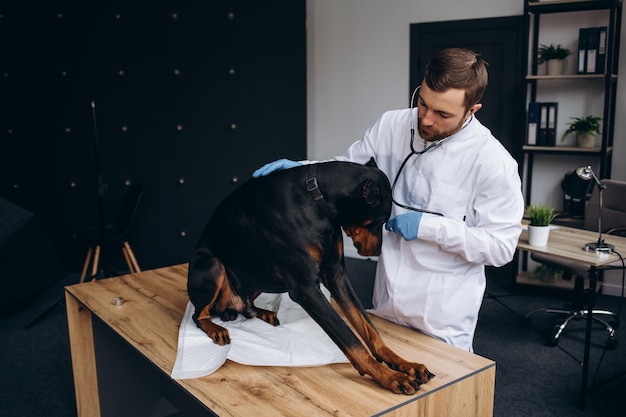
(540, 217)
(547, 273)
(553, 56)
(586, 129)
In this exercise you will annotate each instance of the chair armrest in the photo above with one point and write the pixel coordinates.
(617, 231)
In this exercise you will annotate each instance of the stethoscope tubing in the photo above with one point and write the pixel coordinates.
(414, 152)
(406, 159)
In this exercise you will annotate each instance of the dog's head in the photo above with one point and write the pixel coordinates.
(368, 207)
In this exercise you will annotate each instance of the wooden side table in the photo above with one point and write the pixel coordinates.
(568, 243)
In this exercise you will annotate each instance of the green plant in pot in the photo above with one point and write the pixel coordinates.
(547, 273)
(539, 214)
(586, 129)
(540, 217)
(553, 56)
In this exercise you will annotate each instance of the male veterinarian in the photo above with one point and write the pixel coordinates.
(457, 201)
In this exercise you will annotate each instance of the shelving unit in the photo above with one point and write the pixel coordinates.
(526, 278)
(533, 11)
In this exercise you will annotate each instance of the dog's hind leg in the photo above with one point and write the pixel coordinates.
(217, 333)
(268, 316)
(210, 292)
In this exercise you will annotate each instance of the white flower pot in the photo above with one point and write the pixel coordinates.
(555, 66)
(538, 235)
(585, 140)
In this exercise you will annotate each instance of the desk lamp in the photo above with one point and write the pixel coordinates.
(576, 184)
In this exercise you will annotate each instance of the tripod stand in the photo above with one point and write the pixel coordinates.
(101, 188)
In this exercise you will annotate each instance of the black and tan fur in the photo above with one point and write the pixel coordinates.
(282, 233)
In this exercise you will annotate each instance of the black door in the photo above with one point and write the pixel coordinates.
(500, 42)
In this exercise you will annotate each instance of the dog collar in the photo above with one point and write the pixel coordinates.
(313, 188)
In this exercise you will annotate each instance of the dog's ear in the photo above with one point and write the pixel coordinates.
(371, 163)
(370, 191)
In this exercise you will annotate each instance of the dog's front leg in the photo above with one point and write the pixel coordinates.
(346, 298)
(318, 307)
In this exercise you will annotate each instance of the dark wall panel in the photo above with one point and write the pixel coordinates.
(190, 97)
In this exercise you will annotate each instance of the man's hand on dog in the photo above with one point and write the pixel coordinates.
(275, 166)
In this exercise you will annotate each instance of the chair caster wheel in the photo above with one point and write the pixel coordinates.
(552, 342)
(554, 339)
(611, 343)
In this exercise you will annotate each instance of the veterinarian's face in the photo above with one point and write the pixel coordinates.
(440, 115)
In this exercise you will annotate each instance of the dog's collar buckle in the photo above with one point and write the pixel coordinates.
(313, 187)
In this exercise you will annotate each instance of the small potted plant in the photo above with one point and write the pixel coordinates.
(586, 129)
(540, 217)
(553, 56)
(547, 273)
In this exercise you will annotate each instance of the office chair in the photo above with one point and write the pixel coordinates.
(114, 234)
(613, 222)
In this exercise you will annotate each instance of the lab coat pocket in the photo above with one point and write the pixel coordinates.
(452, 201)
(453, 303)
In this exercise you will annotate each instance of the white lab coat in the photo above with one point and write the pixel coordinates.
(436, 283)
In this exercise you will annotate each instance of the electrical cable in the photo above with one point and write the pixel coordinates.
(606, 348)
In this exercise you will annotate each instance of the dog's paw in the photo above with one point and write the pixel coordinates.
(218, 334)
(417, 370)
(424, 373)
(400, 383)
(228, 315)
(267, 316)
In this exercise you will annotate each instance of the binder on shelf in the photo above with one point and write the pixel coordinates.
(593, 44)
(601, 57)
(582, 50)
(533, 124)
(542, 137)
(551, 111)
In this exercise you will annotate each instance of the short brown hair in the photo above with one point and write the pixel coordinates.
(458, 68)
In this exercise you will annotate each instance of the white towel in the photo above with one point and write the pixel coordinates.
(297, 341)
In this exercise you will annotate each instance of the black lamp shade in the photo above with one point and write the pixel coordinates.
(575, 186)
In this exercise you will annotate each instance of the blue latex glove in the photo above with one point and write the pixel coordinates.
(275, 166)
(406, 225)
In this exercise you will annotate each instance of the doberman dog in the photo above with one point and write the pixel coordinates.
(282, 233)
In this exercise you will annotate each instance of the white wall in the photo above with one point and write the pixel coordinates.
(358, 67)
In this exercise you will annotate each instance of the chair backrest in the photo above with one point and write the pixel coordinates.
(613, 206)
(128, 209)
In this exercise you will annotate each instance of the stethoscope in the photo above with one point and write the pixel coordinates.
(423, 151)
